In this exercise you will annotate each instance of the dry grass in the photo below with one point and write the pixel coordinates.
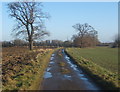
(22, 67)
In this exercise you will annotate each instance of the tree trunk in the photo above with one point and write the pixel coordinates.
(30, 44)
(81, 46)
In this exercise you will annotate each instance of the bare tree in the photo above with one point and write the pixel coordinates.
(30, 20)
(85, 33)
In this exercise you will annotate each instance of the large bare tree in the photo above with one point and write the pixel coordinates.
(86, 35)
(30, 20)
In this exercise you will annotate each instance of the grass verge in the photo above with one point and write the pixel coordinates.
(39, 77)
(25, 71)
(106, 79)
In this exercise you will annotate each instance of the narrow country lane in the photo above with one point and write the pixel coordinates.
(62, 74)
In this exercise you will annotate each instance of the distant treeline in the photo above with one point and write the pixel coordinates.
(54, 43)
(19, 42)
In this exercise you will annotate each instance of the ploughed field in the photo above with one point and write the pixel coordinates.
(21, 68)
(101, 63)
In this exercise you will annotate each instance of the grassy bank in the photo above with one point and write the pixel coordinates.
(23, 69)
(100, 63)
(43, 62)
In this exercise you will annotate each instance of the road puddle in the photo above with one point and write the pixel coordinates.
(52, 58)
(68, 77)
(47, 75)
(73, 66)
(53, 55)
(52, 62)
(48, 69)
(63, 74)
(83, 78)
(66, 56)
(81, 75)
(78, 71)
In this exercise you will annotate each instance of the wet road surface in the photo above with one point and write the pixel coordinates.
(62, 74)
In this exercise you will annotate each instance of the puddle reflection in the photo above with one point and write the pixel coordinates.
(52, 62)
(53, 55)
(47, 75)
(67, 77)
(83, 78)
(51, 58)
(74, 67)
(48, 69)
(81, 75)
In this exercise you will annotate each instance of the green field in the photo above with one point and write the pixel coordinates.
(99, 62)
(104, 56)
